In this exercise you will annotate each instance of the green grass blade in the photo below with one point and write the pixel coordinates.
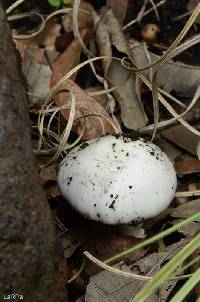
(161, 235)
(187, 287)
(189, 264)
(168, 270)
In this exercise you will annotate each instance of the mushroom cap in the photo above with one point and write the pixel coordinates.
(115, 179)
(149, 32)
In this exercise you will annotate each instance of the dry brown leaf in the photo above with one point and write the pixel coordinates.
(109, 287)
(105, 246)
(172, 76)
(187, 166)
(187, 209)
(37, 73)
(51, 189)
(108, 33)
(69, 58)
(48, 173)
(119, 9)
(116, 34)
(85, 104)
(85, 18)
(189, 230)
(183, 138)
(132, 112)
(103, 41)
(46, 38)
(98, 233)
(170, 149)
(101, 98)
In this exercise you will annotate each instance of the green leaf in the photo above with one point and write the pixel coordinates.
(67, 1)
(57, 3)
(54, 3)
(187, 287)
(168, 270)
(195, 217)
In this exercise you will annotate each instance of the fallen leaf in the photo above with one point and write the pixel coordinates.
(187, 209)
(68, 59)
(108, 33)
(117, 36)
(104, 236)
(51, 189)
(101, 98)
(187, 166)
(104, 45)
(132, 112)
(85, 18)
(189, 230)
(105, 246)
(170, 149)
(110, 287)
(48, 173)
(63, 41)
(172, 76)
(94, 126)
(183, 138)
(37, 73)
(119, 9)
(46, 38)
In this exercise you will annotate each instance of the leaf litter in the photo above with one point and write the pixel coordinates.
(60, 96)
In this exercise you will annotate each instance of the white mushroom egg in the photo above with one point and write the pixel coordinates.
(115, 179)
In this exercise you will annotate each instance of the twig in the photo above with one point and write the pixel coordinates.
(145, 14)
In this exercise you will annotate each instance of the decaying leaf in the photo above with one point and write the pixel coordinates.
(109, 287)
(191, 229)
(109, 33)
(187, 209)
(119, 9)
(170, 149)
(85, 15)
(172, 76)
(132, 112)
(69, 58)
(103, 41)
(46, 38)
(95, 126)
(117, 37)
(187, 166)
(101, 98)
(85, 19)
(182, 137)
(48, 173)
(37, 73)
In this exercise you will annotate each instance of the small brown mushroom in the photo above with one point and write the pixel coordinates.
(149, 32)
